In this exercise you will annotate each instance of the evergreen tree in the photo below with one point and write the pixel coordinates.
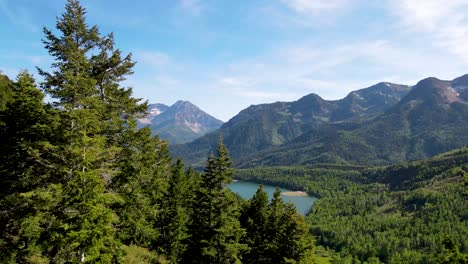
(275, 233)
(6, 90)
(464, 174)
(254, 218)
(26, 127)
(215, 230)
(27, 130)
(451, 253)
(144, 172)
(175, 216)
(94, 113)
(288, 235)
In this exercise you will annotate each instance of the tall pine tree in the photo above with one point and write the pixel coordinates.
(214, 229)
(28, 133)
(144, 172)
(95, 112)
(275, 232)
(173, 223)
(254, 218)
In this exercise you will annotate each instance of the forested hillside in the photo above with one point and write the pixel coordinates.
(412, 212)
(80, 183)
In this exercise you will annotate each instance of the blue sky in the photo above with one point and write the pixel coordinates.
(225, 55)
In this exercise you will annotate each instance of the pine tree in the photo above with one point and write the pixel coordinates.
(27, 130)
(215, 230)
(6, 90)
(174, 219)
(145, 168)
(95, 112)
(288, 236)
(26, 127)
(450, 253)
(254, 218)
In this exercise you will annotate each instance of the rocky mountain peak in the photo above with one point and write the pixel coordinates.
(179, 123)
(434, 90)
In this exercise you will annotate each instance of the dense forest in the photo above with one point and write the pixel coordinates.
(81, 183)
(414, 212)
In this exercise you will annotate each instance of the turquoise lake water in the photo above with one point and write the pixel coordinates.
(248, 189)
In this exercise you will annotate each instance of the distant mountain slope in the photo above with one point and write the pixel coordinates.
(431, 119)
(153, 111)
(182, 122)
(369, 102)
(261, 127)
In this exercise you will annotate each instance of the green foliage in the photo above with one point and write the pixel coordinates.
(450, 253)
(61, 171)
(140, 255)
(27, 129)
(253, 218)
(141, 181)
(395, 214)
(6, 90)
(214, 227)
(275, 232)
(320, 181)
(80, 183)
(176, 202)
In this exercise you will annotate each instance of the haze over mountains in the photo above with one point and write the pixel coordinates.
(382, 124)
(182, 122)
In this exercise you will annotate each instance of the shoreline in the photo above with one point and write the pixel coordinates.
(296, 193)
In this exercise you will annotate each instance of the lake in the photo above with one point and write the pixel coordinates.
(248, 189)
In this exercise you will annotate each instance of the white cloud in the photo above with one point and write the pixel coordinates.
(444, 22)
(314, 6)
(233, 81)
(332, 71)
(304, 13)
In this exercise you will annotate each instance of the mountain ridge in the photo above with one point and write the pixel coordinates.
(352, 130)
(428, 121)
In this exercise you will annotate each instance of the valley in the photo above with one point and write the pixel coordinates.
(92, 173)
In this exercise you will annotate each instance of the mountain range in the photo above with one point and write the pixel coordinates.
(382, 124)
(179, 123)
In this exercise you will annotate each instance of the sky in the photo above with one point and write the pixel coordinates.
(225, 55)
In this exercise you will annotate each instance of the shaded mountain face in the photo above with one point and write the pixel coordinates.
(261, 127)
(369, 102)
(182, 122)
(461, 86)
(432, 118)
